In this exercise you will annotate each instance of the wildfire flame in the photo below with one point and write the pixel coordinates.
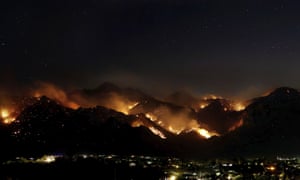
(173, 121)
(4, 113)
(236, 125)
(212, 96)
(133, 105)
(157, 132)
(188, 126)
(175, 131)
(232, 106)
(115, 101)
(124, 107)
(203, 105)
(201, 131)
(154, 130)
(127, 107)
(6, 116)
(238, 106)
(137, 123)
(192, 126)
(205, 133)
(120, 104)
(151, 117)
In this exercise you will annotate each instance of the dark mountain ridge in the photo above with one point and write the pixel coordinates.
(270, 127)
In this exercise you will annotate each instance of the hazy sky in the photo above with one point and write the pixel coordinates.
(232, 48)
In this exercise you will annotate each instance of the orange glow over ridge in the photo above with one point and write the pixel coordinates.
(178, 121)
(56, 93)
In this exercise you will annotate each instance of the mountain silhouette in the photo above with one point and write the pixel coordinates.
(270, 126)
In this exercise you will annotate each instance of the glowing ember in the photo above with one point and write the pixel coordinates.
(157, 132)
(203, 105)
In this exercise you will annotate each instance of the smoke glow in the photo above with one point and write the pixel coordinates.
(176, 120)
(212, 96)
(54, 92)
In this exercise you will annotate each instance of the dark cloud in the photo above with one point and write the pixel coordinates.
(204, 46)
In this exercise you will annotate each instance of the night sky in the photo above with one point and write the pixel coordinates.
(232, 48)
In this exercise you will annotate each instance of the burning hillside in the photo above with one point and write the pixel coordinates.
(115, 112)
(172, 118)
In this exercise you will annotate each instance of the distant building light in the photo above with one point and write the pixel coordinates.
(172, 177)
(46, 159)
(132, 164)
